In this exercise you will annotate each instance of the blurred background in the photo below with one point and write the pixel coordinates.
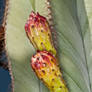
(5, 80)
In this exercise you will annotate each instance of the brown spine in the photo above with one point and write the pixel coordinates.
(3, 51)
(51, 22)
(3, 57)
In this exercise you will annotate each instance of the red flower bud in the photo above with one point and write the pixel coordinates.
(45, 66)
(39, 33)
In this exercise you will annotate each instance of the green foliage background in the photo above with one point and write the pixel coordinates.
(73, 24)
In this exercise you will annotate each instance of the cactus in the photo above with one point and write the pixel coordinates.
(45, 66)
(39, 33)
(74, 49)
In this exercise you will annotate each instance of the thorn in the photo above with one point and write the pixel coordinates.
(4, 65)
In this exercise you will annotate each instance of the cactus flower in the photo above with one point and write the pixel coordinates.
(45, 66)
(39, 33)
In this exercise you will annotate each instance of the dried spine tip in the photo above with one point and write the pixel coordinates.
(49, 73)
(38, 28)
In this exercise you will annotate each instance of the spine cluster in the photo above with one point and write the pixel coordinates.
(50, 19)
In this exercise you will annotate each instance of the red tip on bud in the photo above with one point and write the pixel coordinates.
(35, 19)
(41, 59)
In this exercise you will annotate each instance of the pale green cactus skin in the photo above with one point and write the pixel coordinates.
(39, 33)
(45, 66)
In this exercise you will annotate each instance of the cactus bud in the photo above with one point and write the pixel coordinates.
(39, 33)
(45, 66)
